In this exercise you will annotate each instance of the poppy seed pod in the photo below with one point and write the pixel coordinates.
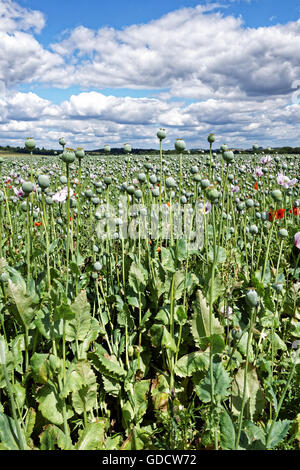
(79, 153)
(68, 156)
(107, 180)
(283, 233)
(276, 194)
(27, 187)
(212, 194)
(170, 182)
(127, 148)
(142, 177)
(204, 183)
(180, 145)
(161, 133)
(197, 178)
(224, 148)
(138, 194)
(249, 203)
(153, 179)
(63, 179)
(252, 298)
(88, 193)
(44, 181)
(97, 266)
(155, 192)
(253, 229)
(228, 156)
(29, 143)
(211, 138)
(130, 189)
(62, 141)
(106, 148)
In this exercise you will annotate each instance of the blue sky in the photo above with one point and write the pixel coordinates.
(68, 14)
(100, 71)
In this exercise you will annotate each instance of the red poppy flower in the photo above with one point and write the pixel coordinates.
(271, 215)
(280, 213)
(256, 186)
(295, 211)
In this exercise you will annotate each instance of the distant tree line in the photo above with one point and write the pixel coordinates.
(140, 151)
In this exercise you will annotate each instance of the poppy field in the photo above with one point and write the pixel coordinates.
(150, 302)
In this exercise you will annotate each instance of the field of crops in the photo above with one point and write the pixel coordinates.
(149, 302)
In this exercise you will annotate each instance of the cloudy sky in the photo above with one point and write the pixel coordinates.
(100, 72)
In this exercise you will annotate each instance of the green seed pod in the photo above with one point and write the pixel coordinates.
(97, 266)
(155, 192)
(49, 201)
(24, 206)
(68, 156)
(211, 138)
(107, 180)
(161, 133)
(43, 181)
(29, 143)
(107, 148)
(228, 156)
(138, 194)
(276, 194)
(212, 194)
(153, 179)
(253, 229)
(204, 183)
(277, 287)
(170, 183)
(130, 189)
(236, 333)
(127, 148)
(180, 145)
(4, 277)
(88, 193)
(241, 206)
(142, 177)
(27, 187)
(95, 201)
(73, 203)
(283, 233)
(63, 179)
(183, 200)
(252, 298)
(249, 203)
(79, 153)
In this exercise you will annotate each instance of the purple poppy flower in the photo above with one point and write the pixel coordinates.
(235, 189)
(207, 208)
(297, 240)
(226, 311)
(285, 181)
(258, 172)
(265, 160)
